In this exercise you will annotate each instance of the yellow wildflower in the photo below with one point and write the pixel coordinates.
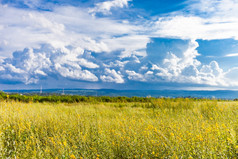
(72, 156)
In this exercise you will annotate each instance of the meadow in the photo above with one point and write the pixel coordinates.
(157, 128)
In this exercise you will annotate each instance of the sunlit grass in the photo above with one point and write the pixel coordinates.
(163, 128)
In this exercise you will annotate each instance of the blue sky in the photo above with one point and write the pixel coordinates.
(119, 44)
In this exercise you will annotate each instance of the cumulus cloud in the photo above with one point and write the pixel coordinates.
(179, 64)
(35, 64)
(232, 76)
(105, 7)
(132, 75)
(75, 73)
(176, 63)
(68, 42)
(112, 76)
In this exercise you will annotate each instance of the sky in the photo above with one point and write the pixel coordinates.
(119, 44)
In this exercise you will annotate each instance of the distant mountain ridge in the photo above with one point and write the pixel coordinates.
(222, 94)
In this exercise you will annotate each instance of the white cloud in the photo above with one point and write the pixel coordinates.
(232, 76)
(149, 73)
(66, 26)
(30, 65)
(40, 72)
(132, 75)
(116, 63)
(13, 69)
(86, 63)
(2, 68)
(112, 76)
(232, 55)
(60, 43)
(73, 58)
(173, 64)
(213, 19)
(193, 27)
(137, 45)
(75, 73)
(180, 66)
(105, 7)
(220, 8)
(212, 74)
(190, 71)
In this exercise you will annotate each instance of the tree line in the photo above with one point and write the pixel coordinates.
(55, 98)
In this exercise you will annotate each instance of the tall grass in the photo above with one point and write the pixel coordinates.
(163, 128)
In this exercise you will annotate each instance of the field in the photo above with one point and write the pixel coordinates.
(160, 128)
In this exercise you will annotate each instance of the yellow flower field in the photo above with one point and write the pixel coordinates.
(161, 129)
